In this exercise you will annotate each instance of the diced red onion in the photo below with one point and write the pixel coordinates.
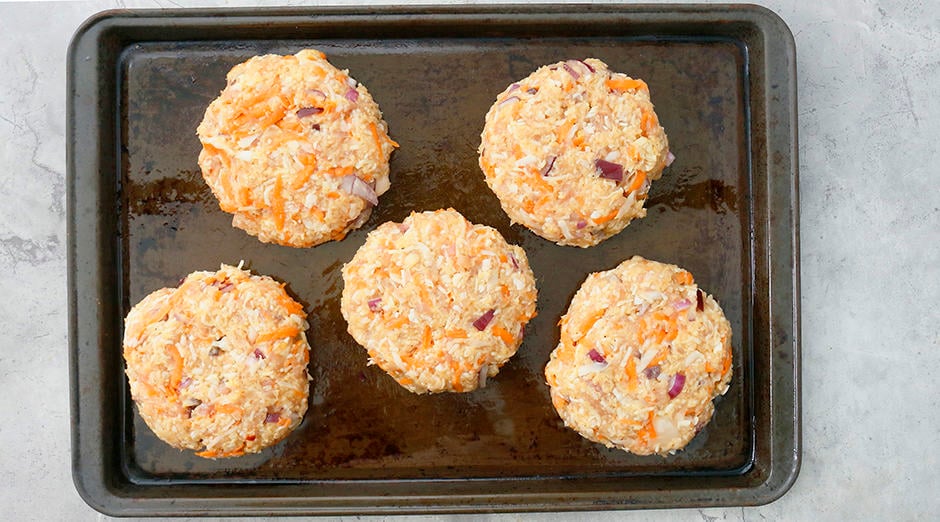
(375, 305)
(482, 321)
(682, 304)
(581, 224)
(355, 186)
(315, 126)
(652, 372)
(699, 300)
(259, 354)
(186, 382)
(548, 166)
(582, 62)
(226, 287)
(513, 87)
(609, 169)
(676, 384)
(670, 158)
(574, 74)
(308, 111)
(508, 100)
(515, 262)
(596, 356)
(271, 418)
(352, 94)
(532, 90)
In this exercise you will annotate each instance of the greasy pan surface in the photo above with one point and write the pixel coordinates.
(367, 444)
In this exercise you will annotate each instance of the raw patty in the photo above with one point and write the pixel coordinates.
(438, 302)
(643, 353)
(570, 151)
(295, 149)
(219, 364)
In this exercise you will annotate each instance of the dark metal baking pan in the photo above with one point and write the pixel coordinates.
(140, 217)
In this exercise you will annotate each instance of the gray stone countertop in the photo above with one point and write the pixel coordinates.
(869, 126)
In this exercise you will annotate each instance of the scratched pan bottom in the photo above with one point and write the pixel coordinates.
(366, 444)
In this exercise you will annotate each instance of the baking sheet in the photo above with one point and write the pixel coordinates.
(367, 445)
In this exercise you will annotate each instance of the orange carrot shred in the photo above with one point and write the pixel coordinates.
(279, 333)
(604, 219)
(631, 373)
(625, 84)
(426, 339)
(503, 334)
(277, 203)
(638, 180)
(456, 333)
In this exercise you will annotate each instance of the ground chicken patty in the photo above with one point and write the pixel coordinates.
(219, 364)
(295, 149)
(643, 353)
(570, 151)
(438, 302)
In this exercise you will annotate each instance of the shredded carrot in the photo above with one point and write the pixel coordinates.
(279, 333)
(647, 121)
(458, 386)
(309, 168)
(503, 334)
(726, 363)
(332, 195)
(375, 137)
(228, 408)
(673, 332)
(284, 421)
(638, 180)
(456, 333)
(561, 133)
(398, 321)
(426, 339)
(213, 453)
(244, 196)
(591, 321)
(578, 139)
(631, 373)
(658, 358)
(529, 206)
(504, 290)
(405, 381)
(176, 375)
(625, 84)
(393, 142)
(648, 432)
(708, 367)
(683, 278)
(277, 203)
(338, 172)
(604, 219)
(293, 307)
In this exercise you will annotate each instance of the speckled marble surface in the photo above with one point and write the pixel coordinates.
(870, 191)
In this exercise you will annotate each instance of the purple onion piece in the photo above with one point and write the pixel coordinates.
(574, 74)
(581, 224)
(308, 111)
(315, 126)
(352, 94)
(508, 100)
(258, 354)
(375, 305)
(548, 166)
(513, 87)
(676, 385)
(596, 356)
(186, 382)
(652, 372)
(682, 304)
(532, 90)
(670, 158)
(515, 262)
(355, 186)
(587, 65)
(609, 170)
(271, 418)
(699, 300)
(482, 321)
